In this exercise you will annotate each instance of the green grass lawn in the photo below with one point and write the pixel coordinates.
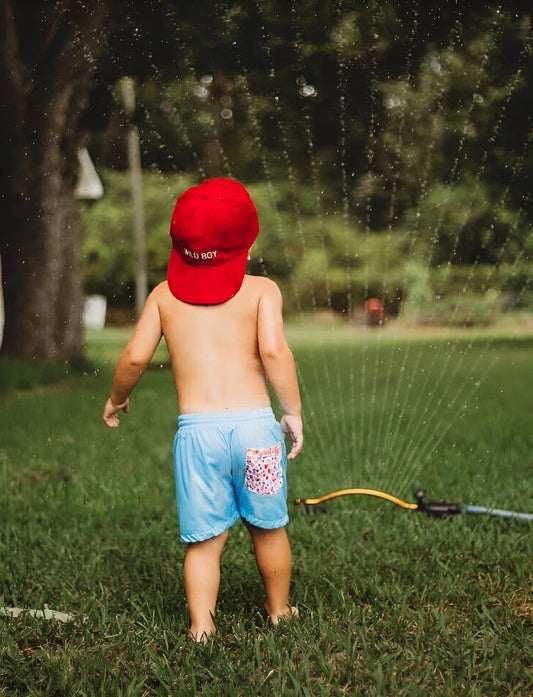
(392, 602)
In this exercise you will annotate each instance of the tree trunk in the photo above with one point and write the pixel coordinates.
(44, 86)
(41, 260)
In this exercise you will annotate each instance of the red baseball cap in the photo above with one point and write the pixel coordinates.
(213, 227)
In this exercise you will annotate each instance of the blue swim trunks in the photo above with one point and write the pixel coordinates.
(229, 466)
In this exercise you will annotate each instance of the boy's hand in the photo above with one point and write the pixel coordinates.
(111, 410)
(293, 428)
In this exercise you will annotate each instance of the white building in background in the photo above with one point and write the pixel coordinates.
(90, 187)
(89, 183)
(94, 311)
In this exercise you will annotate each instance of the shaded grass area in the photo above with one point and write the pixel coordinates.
(392, 602)
(19, 374)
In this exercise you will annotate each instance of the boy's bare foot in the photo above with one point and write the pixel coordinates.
(286, 614)
(201, 636)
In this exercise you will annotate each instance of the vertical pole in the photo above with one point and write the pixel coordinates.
(134, 162)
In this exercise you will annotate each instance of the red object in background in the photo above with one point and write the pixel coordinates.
(374, 311)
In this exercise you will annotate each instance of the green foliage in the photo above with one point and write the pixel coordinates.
(461, 225)
(464, 295)
(108, 247)
(404, 98)
(410, 149)
(457, 260)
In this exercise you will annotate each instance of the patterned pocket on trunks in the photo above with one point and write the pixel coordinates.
(262, 473)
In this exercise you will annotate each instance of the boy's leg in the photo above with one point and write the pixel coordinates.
(273, 556)
(202, 579)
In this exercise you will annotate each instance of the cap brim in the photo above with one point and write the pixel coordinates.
(205, 285)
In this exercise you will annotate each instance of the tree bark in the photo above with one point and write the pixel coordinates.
(48, 57)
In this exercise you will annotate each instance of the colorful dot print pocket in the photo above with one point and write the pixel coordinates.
(262, 473)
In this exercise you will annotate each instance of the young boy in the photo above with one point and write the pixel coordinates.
(224, 333)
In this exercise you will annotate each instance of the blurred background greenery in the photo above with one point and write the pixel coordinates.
(386, 147)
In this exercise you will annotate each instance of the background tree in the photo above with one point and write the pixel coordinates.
(48, 56)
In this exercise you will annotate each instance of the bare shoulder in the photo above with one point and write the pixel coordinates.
(161, 290)
(262, 286)
(160, 294)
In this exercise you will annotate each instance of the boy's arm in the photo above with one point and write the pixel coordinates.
(133, 361)
(279, 365)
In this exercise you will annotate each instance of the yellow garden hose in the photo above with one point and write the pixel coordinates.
(366, 492)
(434, 509)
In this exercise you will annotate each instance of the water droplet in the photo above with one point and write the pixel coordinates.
(307, 91)
(392, 102)
(200, 91)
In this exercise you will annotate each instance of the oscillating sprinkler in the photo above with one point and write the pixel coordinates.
(434, 509)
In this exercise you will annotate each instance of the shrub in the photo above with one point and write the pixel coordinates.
(319, 258)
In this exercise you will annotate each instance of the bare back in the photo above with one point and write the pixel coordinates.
(222, 355)
(214, 350)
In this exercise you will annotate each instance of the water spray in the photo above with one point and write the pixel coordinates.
(434, 509)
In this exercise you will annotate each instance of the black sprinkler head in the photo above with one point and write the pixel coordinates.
(435, 509)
